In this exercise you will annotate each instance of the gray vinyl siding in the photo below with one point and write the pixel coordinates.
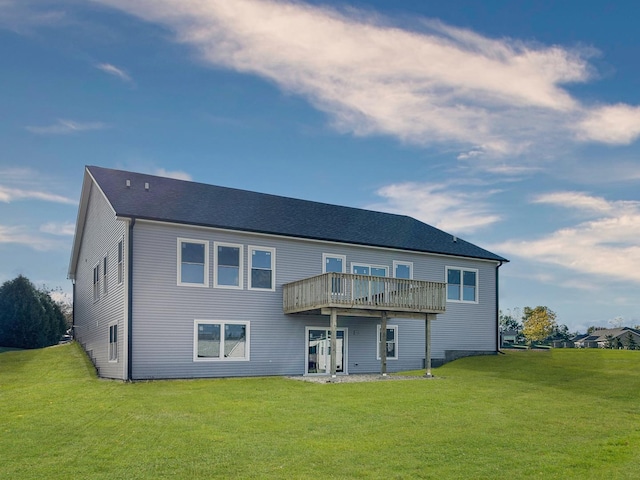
(164, 313)
(102, 232)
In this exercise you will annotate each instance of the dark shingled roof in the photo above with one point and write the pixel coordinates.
(191, 203)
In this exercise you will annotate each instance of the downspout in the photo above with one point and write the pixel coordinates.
(73, 310)
(498, 308)
(130, 302)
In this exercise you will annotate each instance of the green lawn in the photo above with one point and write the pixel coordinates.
(530, 414)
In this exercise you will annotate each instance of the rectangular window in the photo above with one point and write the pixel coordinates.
(120, 261)
(193, 262)
(262, 261)
(462, 285)
(96, 283)
(104, 275)
(228, 265)
(403, 270)
(391, 342)
(334, 263)
(113, 343)
(367, 288)
(221, 341)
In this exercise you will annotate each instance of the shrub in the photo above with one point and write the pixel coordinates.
(29, 318)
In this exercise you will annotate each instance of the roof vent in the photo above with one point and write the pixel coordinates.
(455, 239)
(128, 183)
(146, 186)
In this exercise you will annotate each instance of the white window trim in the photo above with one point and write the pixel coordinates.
(358, 264)
(182, 240)
(325, 256)
(120, 262)
(113, 360)
(96, 276)
(105, 274)
(250, 250)
(395, 336)
(240, 285)
(345, 347)
(408, 264)
(222, 323)
(462, 269)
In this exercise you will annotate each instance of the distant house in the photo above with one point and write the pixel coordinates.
(509, 337)
(177, 279)
(603, 337)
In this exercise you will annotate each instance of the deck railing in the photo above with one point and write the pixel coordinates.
(345, 290)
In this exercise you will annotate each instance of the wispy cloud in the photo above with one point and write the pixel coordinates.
(62, 229)
(177, 174)
(115, 71)
(605, 245)
(66, 127)
(439, 205)
(8, 195)
(439, 84)
(21, 235)
(24, 15)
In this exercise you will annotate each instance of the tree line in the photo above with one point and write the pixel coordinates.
(29, 317)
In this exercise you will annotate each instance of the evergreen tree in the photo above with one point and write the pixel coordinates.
(29, 318)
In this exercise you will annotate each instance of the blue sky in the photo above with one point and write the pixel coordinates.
(512, 124)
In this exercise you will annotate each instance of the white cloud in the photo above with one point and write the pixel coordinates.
(66, 127)
(24, 15)
(439, 205)
(54, 228)
(10, 194)
(607, 245)
(613, 124)
(488, 97)
(177, 174)
(115, 71)
(20, 235)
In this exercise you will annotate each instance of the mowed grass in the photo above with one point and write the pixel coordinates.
(558, 414)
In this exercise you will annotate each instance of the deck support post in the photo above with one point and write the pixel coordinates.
(427, 343)
(383, 344)
(334, 342)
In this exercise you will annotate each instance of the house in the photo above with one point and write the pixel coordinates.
(177, 279)
(623, 337)
(509, 337)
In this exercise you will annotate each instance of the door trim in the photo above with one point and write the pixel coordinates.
(345, 348)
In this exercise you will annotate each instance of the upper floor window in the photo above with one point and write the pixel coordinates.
(366, 288)
(104, 276)
(462, 285)
(228, 265)
(373, 270)
(120, 261)
(193, 262)
(96, 282)
(333, 263)
(403, 270)
(262, 264)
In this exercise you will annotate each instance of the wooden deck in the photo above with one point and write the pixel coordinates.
(363, 293)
